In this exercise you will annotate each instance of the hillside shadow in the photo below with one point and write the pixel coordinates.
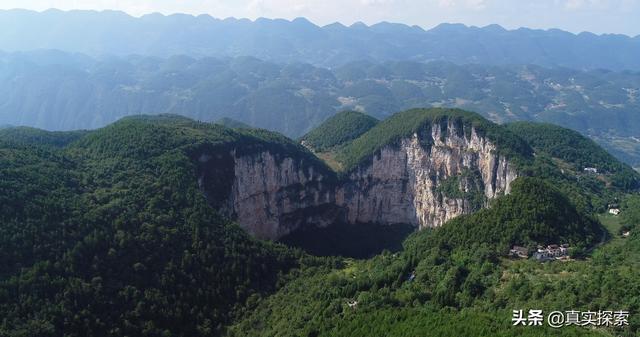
(359, 241)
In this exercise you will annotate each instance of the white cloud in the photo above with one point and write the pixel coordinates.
(376, 2)
(595, 4)
(574, 4)
(476, 4)
(463, 4)
(446, 3)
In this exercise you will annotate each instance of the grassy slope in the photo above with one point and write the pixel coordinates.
(533, 213)
(613, 224)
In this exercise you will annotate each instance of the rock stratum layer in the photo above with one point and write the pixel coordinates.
(272, 194)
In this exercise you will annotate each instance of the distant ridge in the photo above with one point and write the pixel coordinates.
(232, 123)
(294, 98)
(299, 40)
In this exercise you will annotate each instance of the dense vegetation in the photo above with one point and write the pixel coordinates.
(58, 91)
(463, 285)
(232, 123)
(342, 128)
(631, 212)
(454, 187)
(534, 213)
(421, 121)
(458, 274)
(578, 151)
(110, 236)
(561, 155)
(106, 233)
(27, 135)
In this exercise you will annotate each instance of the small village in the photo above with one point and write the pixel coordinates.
(559, 252)
(542, 253)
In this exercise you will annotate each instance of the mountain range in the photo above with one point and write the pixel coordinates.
(282, 41)
(61, 91)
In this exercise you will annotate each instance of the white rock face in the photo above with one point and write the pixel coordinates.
(400, 186)
(270, 196)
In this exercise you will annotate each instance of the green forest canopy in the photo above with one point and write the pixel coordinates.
(109, 228)
(339, 129)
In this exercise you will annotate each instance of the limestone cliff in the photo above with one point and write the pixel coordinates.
(400, 185)
(272, 194)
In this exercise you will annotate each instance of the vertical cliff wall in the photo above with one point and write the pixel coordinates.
(270, 194)
(418, 181)
(402, 182)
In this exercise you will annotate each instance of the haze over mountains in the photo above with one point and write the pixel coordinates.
(77, 69)
(282, 41)
(62, 91)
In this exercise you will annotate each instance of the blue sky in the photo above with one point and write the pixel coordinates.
(598, 16)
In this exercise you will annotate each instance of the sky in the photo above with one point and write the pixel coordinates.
(597, 16)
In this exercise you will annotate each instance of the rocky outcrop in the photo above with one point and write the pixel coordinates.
(401, 183)
(271, 195)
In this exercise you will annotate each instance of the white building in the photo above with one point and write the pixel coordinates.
(552, 252)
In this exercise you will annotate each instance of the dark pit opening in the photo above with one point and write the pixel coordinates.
(359, 241)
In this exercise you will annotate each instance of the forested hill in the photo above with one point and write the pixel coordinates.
(547, 151)
(107, 233)
(338, 130)
(110, 228)
(447, 282)
(232, 123)
(27, 135)
(282, 41)
(576, 150)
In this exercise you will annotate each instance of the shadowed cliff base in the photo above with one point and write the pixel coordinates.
(359, 241)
